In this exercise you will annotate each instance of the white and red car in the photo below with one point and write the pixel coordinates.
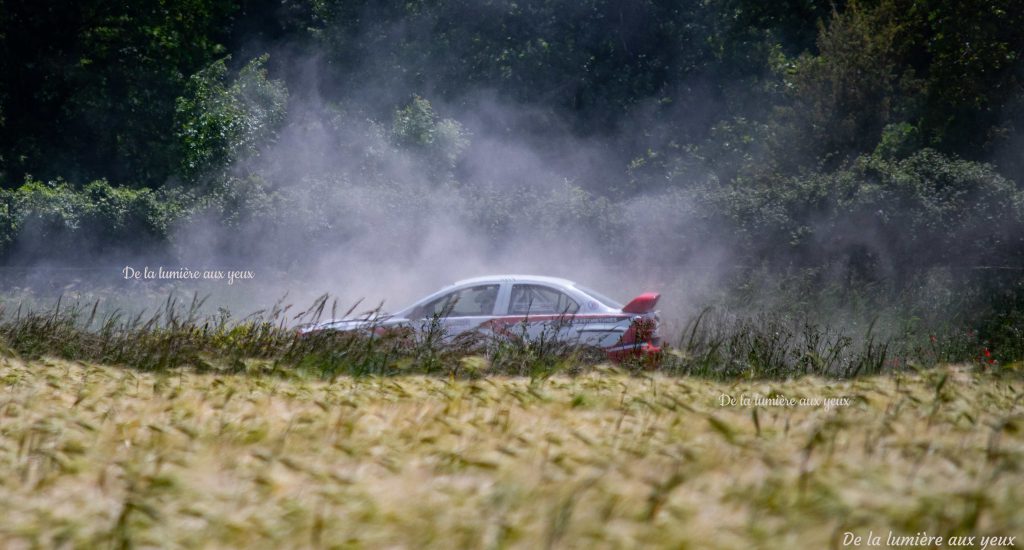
(530, 306)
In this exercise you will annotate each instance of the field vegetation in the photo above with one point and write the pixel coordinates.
(99, 456)
(179, 429)
(714, 344)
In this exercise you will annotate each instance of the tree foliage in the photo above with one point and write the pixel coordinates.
(89, 87)
(220, 122)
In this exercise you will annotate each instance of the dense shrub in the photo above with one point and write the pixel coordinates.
(883, 217)
(75, 224)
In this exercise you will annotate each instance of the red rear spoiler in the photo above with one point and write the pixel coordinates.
(643, 303)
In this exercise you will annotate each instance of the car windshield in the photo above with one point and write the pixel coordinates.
(600, 297)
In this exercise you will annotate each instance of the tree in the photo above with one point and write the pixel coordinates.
(219, 123)
(845, 95)
(91, 86)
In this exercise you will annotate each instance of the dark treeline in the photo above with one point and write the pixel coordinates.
(851, 145)
(96, 90)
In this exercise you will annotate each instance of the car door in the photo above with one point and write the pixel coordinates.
(462, 309)
(540, 311)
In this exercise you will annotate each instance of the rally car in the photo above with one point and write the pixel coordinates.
(525, 306)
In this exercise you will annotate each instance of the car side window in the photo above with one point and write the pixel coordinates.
(540, 300)
(468, 302)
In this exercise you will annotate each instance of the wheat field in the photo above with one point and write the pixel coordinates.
(102, 457)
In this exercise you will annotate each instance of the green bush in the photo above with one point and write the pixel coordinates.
(439, 142)
(54, 220)
(883, 216)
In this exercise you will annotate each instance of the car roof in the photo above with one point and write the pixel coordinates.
(516, 279)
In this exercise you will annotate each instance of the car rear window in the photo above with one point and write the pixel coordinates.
(540, 300)
(606, 301)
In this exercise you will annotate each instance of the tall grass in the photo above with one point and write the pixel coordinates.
(721, 345)
(713, 344)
